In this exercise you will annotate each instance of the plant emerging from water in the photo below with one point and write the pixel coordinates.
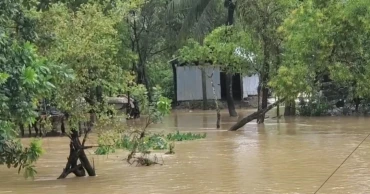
(171, 148)
(108, 144)
(185, 136)
(142, 141)
(158, 108)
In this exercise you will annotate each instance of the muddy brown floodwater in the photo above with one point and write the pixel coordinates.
(294, 155)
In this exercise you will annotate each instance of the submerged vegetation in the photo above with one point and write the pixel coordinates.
(184, 136)
(150, 142)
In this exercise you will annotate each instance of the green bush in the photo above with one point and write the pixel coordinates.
(314, 109)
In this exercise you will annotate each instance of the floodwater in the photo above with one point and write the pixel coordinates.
(292, 155)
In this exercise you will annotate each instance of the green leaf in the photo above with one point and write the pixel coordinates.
(29, 75)
(3, 77)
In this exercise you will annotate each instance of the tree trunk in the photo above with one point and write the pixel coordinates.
(204, 88)
(77, 152)
(30, 130)
(141, 67)
(62, 127)
(253, 116)
(21, 127)
(146, 83)
(259, 96)
(357, 101)
(264, 77)
(229, 95)
(290, 109)
(230, 5)
(128, 108)
(277, 109)
(264, 103)
(174, 83)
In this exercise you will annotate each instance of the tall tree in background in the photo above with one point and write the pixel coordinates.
(87, 42)
(262, 19)
(231, 6)
(336, 39)
(147, 37)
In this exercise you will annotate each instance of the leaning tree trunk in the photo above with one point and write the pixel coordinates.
(254, 115)
(77, 152)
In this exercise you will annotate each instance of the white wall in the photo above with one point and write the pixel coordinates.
(250, 85)
(189, 83)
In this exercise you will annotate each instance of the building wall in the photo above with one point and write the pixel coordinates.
(189, 83)
(250, 84)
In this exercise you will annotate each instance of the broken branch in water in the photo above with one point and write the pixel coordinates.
(136, 144)
(254, 115)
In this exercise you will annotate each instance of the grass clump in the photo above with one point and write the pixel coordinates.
(185, 136)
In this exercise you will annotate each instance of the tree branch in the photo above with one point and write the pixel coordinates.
(159, 51)
(254, 115)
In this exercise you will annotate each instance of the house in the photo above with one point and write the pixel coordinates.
(188, 83)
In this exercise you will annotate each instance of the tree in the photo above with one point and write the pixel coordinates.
(335, 36)
(231, 6)
(146, 29)
(262, 19)
(24, 79)
(86, 41)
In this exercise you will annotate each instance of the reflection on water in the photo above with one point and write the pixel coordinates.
(294, 155)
